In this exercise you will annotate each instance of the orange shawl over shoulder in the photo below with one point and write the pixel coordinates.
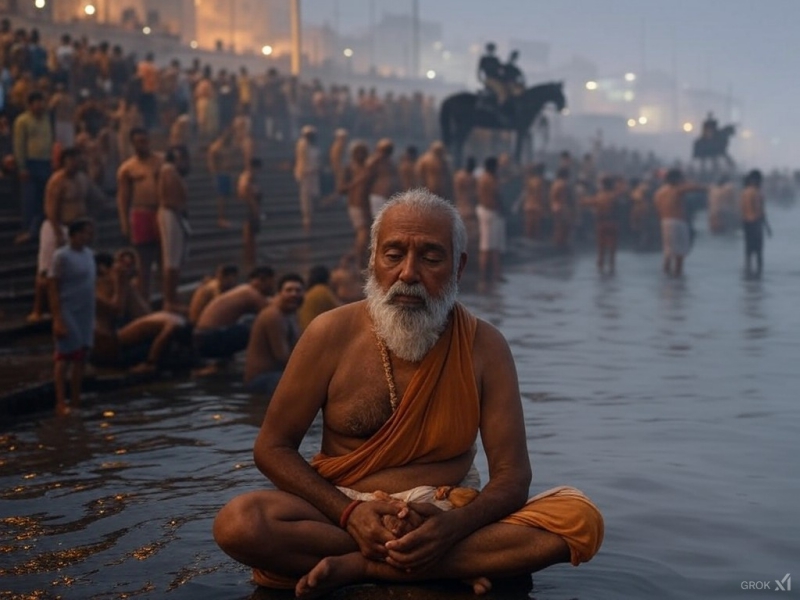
(437, 418)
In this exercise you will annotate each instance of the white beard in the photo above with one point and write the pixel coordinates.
(409, 332)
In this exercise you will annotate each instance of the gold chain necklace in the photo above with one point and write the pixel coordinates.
(387, 371)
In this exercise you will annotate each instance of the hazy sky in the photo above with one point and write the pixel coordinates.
(751, 45)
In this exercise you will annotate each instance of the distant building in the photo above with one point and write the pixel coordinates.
(244, 25)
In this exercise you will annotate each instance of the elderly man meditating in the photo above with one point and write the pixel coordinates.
(406, 380)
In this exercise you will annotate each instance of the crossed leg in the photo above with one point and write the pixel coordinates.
(282, 533)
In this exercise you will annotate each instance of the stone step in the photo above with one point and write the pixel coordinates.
(17, 293)
(296, 254)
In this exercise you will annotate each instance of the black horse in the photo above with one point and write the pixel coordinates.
(460, 113)
(714, 147)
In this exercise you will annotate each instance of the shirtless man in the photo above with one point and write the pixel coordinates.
(180, 132)
(604, 204)
(117, 298)
(433, 171)
(149, 336)
(754, 221)
(534, 204)
(355, 184)
(226, 277)
(642, 215)
(336, 156)
(407, 169)
(408, 347)
(137, 203)
(224, 326)
(222, 158)
(346, 281)
(384, 180)
(721, 205)
(274, 336)
(173, 224)
(465, 189)
(491, 224)
(249, 192)
(561, 208)
(66, 198)
(307, 171)
(62, 107)
(670, 203)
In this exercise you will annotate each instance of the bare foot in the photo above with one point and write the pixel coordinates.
(207, 371)
(331, 573)
(34, 317)
(480, 585)
(22, 238)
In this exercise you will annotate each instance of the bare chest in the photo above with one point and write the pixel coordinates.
(359, 400)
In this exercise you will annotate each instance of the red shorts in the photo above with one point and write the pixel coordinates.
(78, 355)
(144, 226)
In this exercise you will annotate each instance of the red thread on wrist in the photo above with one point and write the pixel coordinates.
(347, 512)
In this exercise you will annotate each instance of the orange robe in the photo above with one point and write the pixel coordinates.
(437, 419)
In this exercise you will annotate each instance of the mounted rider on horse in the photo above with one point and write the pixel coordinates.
(504, 105)
(502, 81)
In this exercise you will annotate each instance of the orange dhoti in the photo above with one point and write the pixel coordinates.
(437, 420)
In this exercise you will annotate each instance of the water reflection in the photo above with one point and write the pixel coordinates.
(670, 402)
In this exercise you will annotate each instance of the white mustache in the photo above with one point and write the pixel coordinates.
(403, 289)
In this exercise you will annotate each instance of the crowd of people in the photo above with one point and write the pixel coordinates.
(414, 376)
(92, 110)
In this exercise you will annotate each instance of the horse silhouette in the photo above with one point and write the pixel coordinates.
(460, 113)
(714, 147)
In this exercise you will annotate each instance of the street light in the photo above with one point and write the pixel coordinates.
(642, 120)
(266, 50)
(631, 122)
(39, 3)
(687, 127)
(89, 9)
(193, 44)
(431, 74)
(591, 85)
(630, 77)
(146, 30)
(348, 52)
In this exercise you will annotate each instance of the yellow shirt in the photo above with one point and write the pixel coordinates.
(318, 299)
(33, 138)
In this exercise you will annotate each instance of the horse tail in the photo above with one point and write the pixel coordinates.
(445, 123)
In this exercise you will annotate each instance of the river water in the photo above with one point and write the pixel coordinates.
(673, 404)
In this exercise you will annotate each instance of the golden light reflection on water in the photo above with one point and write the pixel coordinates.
(86, 499)
(61, 559)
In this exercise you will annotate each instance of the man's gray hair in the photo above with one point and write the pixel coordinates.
(424, 203)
